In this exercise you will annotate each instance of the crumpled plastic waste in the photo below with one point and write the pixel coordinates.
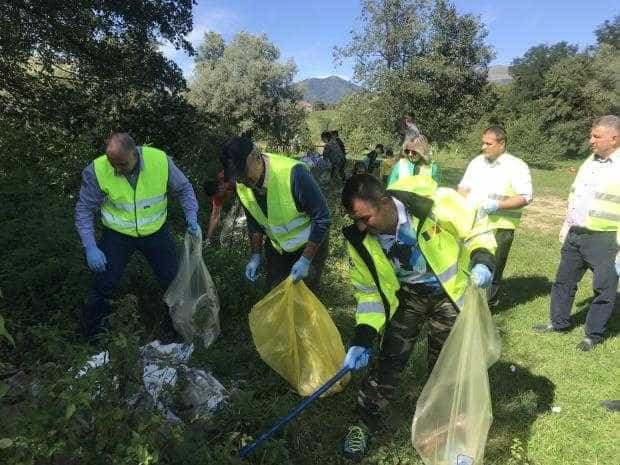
(176, 390)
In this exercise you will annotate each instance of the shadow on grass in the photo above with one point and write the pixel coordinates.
(583, 306)
(519, 290)
(518, 398)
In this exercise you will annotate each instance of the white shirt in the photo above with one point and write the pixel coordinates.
(592, 175)
(483, 177)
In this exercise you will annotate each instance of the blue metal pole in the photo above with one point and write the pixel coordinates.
(247, 450)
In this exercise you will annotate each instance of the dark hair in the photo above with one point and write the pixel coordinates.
(326, 135)
(363, 187)
(499, 133)
(359, 164)
(389, 152)
(210, 187)
(379, 146)
(234, 154)
(335, 133)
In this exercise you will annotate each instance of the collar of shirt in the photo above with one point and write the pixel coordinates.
(497, 161)
(403, 227)
(610, 159)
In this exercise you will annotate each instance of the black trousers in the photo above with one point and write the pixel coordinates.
(160, 251)
(278, 266)
(417, 305)
(583, 250)
(504, 238)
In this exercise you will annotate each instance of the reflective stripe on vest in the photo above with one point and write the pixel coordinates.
(287, 228)
(604, 208)
(138, 212)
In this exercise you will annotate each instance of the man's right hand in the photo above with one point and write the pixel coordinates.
(357, 358)
(251, 269)
(96, 259)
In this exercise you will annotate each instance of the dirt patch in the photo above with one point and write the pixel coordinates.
(545, 213)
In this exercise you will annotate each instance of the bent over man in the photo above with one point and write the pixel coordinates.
(129, 185)
(413, 251)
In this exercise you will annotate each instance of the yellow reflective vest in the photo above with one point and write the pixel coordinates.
(287, 228)
(449, 236)
(135, 212)
(604, 211)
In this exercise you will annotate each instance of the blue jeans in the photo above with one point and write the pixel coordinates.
(158, 248)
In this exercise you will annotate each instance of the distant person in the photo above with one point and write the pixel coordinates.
(408, 128)
(371, 158)
(418, 156)
(500, 184)
(359, 167)
(129, 185)
(220, 192)
(319, 167)
(388, 162)
(401, 169)
(591, 237)
(333, 153)
(339, 141)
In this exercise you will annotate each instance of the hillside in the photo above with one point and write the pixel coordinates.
(327, 90)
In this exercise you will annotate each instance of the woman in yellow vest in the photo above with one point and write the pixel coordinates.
(283, 202)
(414, 249)
(129, 186)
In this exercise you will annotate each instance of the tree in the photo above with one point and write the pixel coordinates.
(432, 64)
(609, 33)
(247, 87)
(529, 70)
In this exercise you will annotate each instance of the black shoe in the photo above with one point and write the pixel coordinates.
(548, 328)
(493, 303)
(355, 443)
(611, 405)
(587, 344)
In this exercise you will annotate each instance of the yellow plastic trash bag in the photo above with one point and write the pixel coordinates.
(453, 414)
(295, 336)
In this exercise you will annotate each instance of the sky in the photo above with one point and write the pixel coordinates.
(308, 31)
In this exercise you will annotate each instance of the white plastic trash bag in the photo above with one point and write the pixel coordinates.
(192, 299)
(453, 414)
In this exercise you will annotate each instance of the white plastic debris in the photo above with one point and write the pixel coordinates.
(513, 368)
(556, 409)
(164, 368)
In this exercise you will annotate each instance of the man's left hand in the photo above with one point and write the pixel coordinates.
(490, 206)
(300, 269)
(194, 229)
(481, 276)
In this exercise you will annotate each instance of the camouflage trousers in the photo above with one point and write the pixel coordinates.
(418, 305)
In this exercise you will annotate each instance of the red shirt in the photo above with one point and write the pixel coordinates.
(225, 191)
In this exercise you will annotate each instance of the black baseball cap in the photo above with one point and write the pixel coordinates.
(234, 155)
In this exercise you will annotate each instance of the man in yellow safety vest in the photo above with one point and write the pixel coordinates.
(590, 237)
(283, 202)
(413, 251)
(129, 186)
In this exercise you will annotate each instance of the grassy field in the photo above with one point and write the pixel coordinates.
(548, 370)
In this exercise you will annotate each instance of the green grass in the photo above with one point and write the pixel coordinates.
(548, 371)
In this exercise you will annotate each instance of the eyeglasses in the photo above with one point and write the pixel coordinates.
(409, 152)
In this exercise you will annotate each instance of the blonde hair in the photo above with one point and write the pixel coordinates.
(421, 147)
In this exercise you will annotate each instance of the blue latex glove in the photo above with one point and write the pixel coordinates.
(96, 259)
(194, 229)
(251, 269)
(481, 276)
(300, 269)
(357, 357)
(490, 206)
